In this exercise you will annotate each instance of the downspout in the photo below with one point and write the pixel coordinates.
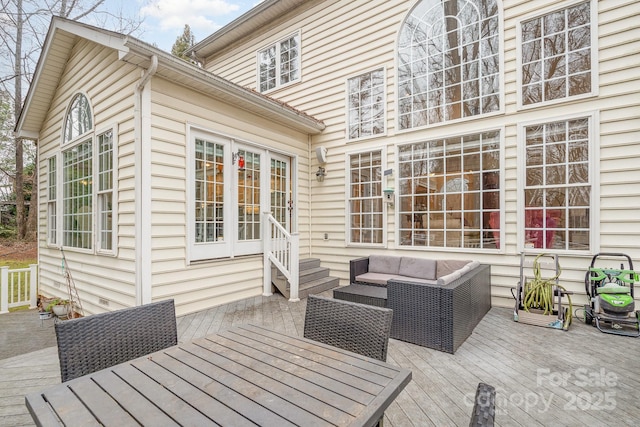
(142, 131)
(310, 175)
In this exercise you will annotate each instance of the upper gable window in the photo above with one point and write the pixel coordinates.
(279, 64)
(448, 62)
(557, 61)
(78, 120)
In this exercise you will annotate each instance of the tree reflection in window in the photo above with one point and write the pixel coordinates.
(448, 62)
(556, 55)
(78, 120)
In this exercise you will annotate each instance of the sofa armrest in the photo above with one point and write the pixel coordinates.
(464, 303)
(357, 267)
(439, 316)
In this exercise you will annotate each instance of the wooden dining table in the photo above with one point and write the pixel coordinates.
(244, 376)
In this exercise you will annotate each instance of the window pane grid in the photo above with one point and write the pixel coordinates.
(209, 191)
(78, 120)
(556, 55)
(77, 196)
(279, 191)
(557, 186)
(366, 104)
(449, 192)
(52, 205)
(249, 196)
(105, 190)
(279, 64)
(448, 52)
(365, 198)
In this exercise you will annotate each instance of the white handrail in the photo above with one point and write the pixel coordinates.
(18, 287)
(282, 249)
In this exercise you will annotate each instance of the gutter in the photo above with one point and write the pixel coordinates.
(257, 100)
(142, 120)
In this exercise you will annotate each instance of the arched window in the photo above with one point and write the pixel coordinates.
(84, 219)
(448, 62)
(78, 120)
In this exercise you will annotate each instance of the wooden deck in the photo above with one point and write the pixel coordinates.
(542, 376)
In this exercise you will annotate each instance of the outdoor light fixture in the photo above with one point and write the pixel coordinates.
(321, 155)
(237, 156)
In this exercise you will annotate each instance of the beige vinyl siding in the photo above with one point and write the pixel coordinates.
(342, 39)
(203, 284)
(108, 83)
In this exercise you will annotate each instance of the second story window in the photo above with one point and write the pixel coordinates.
(279, 64)
(365, 102)
(448, 62)
(557, 61)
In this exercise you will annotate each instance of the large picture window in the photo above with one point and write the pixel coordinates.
(279, 64)
(556, 55)
(87, 184)
(448, 62)
(366, 105)
(557, 185)
(366, 221)
(449, 192)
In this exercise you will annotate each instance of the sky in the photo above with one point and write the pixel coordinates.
(164, 20)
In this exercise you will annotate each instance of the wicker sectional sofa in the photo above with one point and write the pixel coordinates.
(436, 303)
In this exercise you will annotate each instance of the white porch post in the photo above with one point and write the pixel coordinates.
(4, 289)
(294, 266)
(33, 285)
(266, 268)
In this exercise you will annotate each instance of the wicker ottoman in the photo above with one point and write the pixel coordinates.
(364, 294)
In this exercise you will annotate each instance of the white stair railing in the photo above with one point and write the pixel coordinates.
(18, 287)
(282, 250)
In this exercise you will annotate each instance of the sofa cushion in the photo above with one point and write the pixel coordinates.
(385, 264)
(420, 268)
(375, 278)
(448, 266)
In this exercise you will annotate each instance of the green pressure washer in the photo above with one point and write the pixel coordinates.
(610, 292)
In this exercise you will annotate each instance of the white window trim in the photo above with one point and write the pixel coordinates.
(594, 182)
(384, 103)
(297, 34)
(501, 60)
(502, 169)
(387, 181)
(595, 89)
(114, 190)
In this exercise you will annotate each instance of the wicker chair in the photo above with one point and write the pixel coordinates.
(88, 344)
(484, 407)
(360, 328)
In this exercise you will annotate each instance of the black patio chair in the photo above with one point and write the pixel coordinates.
(88, 344)
(360, 328)
(484, 406)
(363, 329)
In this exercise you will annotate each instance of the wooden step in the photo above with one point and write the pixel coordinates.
(312, 279)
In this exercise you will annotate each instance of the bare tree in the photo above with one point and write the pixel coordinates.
(23, 28)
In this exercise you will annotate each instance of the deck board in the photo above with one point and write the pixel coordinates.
(542, 376)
